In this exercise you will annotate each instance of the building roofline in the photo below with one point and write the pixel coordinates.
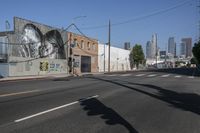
(4, 33)
(38, 23)
(83, 36)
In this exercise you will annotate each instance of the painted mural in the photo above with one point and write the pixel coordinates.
(34, 44)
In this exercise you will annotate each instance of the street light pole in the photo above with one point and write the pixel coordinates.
(78, 17)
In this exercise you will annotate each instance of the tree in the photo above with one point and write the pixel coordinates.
(136, 56)
(196, 52)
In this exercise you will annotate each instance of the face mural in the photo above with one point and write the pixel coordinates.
(36, 45)
(54, 47)
(32, 38)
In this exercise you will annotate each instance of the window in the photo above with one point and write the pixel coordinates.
(82, 44)
(75, 43)
(88, 45)
(93, 46)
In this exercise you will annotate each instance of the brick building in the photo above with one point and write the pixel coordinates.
(83, 53)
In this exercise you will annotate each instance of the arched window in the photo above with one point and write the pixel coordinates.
(88, 45)
(75, 42)
(82, 44)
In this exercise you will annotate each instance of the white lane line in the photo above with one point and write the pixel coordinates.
(56, 108)
(151, 75)
(112, 75)
(139, 75)
(18, 93)
(166, 75)
(125, 75)
(178, 76)
(191, 77)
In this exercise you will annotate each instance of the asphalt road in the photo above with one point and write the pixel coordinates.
(139, 102)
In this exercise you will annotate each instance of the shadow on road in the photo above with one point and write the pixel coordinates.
(184, 101)
(180, 71)
(95, 107)
(61, 79)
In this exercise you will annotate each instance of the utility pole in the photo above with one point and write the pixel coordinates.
(71, 54)
(109, 48)
(8, 46)
(199, 19)
(104, 59)
(156, 50)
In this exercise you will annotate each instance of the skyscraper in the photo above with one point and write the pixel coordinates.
(154, 45)
(172, 46)
(183, 50)
(188, 44)
(151, 47)
(148, 49)
(127, 45)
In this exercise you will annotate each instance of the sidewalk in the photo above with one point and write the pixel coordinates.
(52, 76)
(34, 77)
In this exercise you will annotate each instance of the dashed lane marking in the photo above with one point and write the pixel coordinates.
(18, 93)
(56, 108)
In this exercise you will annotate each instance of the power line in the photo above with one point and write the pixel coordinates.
(141, 17)
(85, 37)
(83, 33)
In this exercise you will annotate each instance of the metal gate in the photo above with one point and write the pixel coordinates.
(85, 64)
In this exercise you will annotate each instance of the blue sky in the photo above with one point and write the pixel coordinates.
(179, 22)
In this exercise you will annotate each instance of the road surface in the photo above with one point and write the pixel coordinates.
(138, 102)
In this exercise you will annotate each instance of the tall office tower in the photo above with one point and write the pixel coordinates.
(148, 50)
(127, 46)
(172, 46)
(183, 50)
(188, 46)
(154, 45)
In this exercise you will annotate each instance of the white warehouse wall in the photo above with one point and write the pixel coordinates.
(119, 59)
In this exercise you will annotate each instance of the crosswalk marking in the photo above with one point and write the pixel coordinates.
(124, 75)
(112, 75)
(191, 77)
(178, 76)
(151, 75)
(166, 75)
(139, 75)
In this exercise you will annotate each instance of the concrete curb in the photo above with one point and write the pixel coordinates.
(13, 79)
(122, 72)
(56, 77)
(27, 78)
